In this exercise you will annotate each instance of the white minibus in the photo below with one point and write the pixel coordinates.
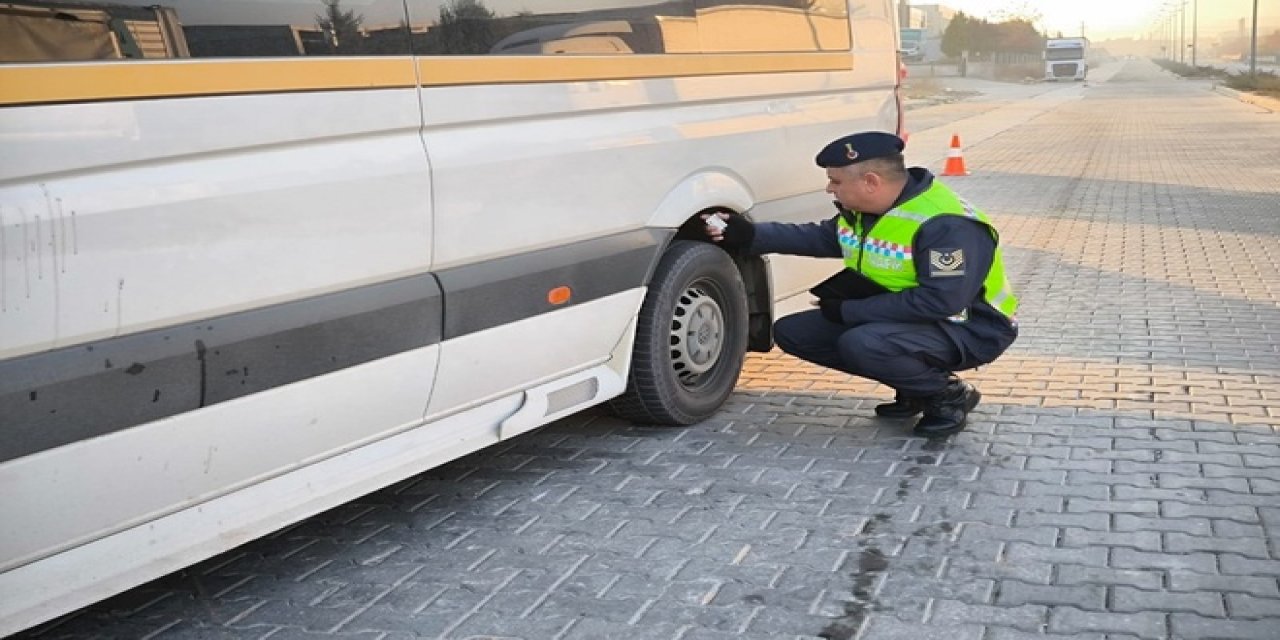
(261, 257)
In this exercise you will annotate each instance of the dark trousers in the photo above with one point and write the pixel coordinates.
(914, 359)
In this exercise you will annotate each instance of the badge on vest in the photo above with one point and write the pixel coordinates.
(946, 262)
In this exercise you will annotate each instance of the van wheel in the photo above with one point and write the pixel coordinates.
(691, 337)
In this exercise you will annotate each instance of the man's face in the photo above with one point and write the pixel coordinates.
(852, 188)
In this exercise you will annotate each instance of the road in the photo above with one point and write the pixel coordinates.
(1120, 480)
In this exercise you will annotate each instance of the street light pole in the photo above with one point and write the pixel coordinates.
(1182, 31)
(1194, 31)
(1253, 43)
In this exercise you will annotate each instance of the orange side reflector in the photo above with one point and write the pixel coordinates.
(559, 295)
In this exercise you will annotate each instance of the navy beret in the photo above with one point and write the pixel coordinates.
(858, 147)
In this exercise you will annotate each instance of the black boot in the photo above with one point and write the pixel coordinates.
(946, 411)
(902, 407)
(905, 406)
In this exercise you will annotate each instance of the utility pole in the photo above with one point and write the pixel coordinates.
(1182, 31)
(1253, 43)
(1194, 23)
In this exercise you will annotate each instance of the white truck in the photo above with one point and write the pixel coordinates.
(1065, 59)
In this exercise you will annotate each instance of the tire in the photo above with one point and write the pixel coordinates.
(691, 337)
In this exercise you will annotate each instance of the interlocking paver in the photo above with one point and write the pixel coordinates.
(1087, 597)
(1119, 480)
(1192, 626)
(1205, 603)
(1193, 526)
(1069, 620)
(1140, 540)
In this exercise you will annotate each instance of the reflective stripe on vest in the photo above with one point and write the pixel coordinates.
(884, 254)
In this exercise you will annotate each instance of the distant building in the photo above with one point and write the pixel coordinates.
(926, 23)
(936, 17)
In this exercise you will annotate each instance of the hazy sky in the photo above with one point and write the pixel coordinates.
(1123, 18)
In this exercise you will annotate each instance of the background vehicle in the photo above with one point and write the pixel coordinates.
(262, 258)
(912, 46)
(1066, 59)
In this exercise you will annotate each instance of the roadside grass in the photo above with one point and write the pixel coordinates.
(1020, 72)
(921, 87)
(1265, 83)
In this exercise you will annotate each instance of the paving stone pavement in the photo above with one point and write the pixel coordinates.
(1121, 479)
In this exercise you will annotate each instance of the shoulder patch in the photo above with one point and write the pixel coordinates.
(946, 262)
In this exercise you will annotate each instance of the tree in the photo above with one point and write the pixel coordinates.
(465, 27)
(956, 38)
(1018, 36)
(976, 35)
(341, 29)
(1018, 11)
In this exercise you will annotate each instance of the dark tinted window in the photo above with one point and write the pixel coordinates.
(40, 31)
(477, 27)
(512, 27)
(773, 25)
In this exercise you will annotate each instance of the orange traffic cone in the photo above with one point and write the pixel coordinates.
(955, 159)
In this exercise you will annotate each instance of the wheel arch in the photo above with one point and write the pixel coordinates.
(708, 189)
(717, 190)
(755, 277)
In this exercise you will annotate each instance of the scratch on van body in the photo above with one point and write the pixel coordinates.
(119, 305)
(52, 215)
(37, 245)
(26, 259)
(56, 248)
(62, 235)
(4, 266)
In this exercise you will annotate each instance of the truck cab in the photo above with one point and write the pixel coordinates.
(1065, 59)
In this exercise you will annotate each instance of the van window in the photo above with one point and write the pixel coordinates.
(472, 27)
(475, 27)
(46, 31)
(773, 25)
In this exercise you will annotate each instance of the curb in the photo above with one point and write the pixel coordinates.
(1266, 102)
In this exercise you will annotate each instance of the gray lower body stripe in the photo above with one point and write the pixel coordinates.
(58, 397)
(496, 292)
(66, 395)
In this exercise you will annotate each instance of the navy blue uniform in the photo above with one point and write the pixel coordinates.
(902, 339)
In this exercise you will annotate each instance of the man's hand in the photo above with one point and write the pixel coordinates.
(730, 230)
(832, 310)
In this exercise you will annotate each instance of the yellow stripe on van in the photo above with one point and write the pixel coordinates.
(80, 82)
(96, 81)
(443, 71)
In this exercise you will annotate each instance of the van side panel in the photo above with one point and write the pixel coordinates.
(199, 294)
(121, 217)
